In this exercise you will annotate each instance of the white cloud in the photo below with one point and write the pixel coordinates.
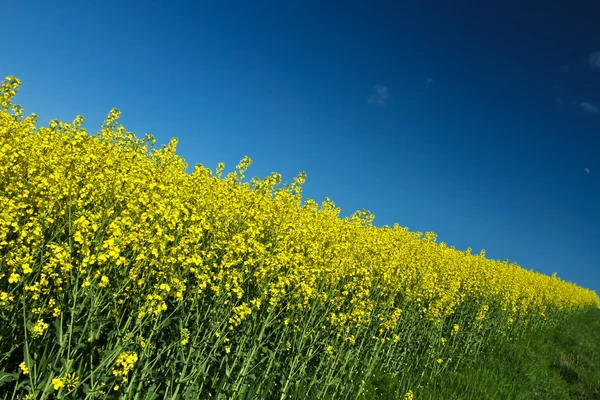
(379, 96)
(589, 107)
(587, 170)
(595, 59)
(428, 83)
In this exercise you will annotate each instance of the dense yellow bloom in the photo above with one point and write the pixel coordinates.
(151, 242)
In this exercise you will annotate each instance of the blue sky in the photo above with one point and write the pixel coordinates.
(480, 123)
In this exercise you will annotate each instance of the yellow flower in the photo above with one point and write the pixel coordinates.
(455, 329)
(104, 281)
(14, 278)
(26, 269)
(165, 287)
(125, 363)
(185, 336)
(58, 383)
(71, 380)
(408, 395)
(24, 368)
(39, 328)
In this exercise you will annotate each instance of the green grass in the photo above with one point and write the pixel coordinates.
(550, 363)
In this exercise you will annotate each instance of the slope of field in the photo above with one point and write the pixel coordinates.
(124, 276)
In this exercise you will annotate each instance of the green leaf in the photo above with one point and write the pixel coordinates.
(6, 377)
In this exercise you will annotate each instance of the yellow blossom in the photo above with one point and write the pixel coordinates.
(58, 383)
(455, 329)
(39, 328)
(408, 395)
(24, 368)
(185, 336)
(104, 281)
(26, 269)
(125, 363)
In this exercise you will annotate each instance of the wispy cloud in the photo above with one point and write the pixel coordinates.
(589, 107)
(428, 83)
(595, 59)
(587, 170)
(559, 101)
(380, 96)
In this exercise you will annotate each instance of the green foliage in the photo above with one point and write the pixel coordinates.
(552, 363)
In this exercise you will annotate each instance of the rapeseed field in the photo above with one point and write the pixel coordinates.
(123, 276)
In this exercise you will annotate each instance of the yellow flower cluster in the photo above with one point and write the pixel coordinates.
(455, 329)
(185, 336)
(168, 231)
(408, 395)
(69, 381)
(124, 364)
(39, 328)
(23, 367)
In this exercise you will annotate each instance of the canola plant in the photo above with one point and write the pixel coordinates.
(124, 276)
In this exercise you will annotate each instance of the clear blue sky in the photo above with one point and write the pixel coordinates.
(481, 124)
